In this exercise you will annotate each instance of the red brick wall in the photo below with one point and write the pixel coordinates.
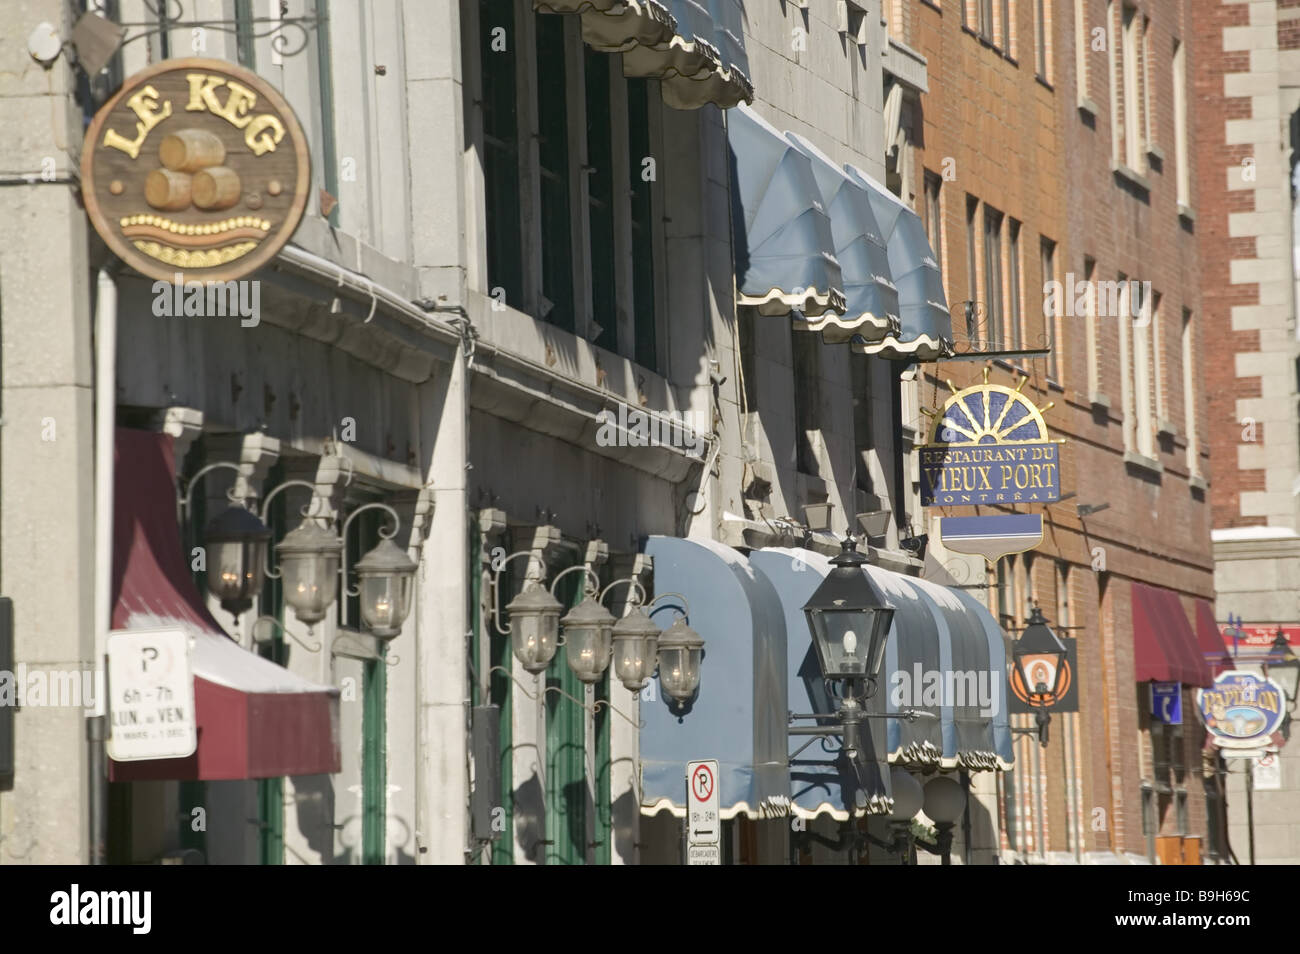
(1025, 148)
(1217, 161)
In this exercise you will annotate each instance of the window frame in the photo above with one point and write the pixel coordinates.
(994, 292)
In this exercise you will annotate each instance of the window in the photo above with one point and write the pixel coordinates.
(986, 18)
(322, 64)
(972, 267)
(1013, 283)
(1082, 46)
(1063, 596)
(600, 197)
(1051, 322)
(993, 275)
(1144, 77)
(806, 351)
(934, 215)
(573, 222)
(1157, 365)
(501, 155)
(558, 307)
(1090, 322)
(1008, 9)
(1131, 90)
(1042, 40)
(1182, 171)
(1143, 385)
(853, 20)
(643, 245)
(1189, 394)
(244, 50)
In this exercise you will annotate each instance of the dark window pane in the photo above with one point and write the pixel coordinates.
(600, 192)
(553, 156)
(643, 263)
(501, 153)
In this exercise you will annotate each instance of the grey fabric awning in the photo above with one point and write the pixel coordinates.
(695, 47)
(944, 653)
(926, 333)
(782, 241)
(739, 714)
(871, 298)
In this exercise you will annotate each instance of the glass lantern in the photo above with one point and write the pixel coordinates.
(636, 648)
(235, 542)
(680, 651)
(309, 567)
(1039, 657)
(386, 580)
(849, 619)
(587, 632)
(534, 626)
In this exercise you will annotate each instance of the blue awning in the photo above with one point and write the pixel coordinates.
(936, 630)
(926, 333)
(782, 241)
(739, 715)
(871, 298)
(695, 47)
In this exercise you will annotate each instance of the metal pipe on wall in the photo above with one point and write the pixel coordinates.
(105, 426)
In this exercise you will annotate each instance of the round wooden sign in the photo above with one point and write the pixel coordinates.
(196, 168)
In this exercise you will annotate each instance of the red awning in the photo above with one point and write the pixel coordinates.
(1164, 646)
(255, 719)
(1210, 639)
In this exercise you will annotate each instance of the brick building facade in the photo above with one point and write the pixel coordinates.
(1247, 88)
(1055, 137)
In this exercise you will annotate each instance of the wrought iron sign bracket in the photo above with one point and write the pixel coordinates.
(261, 27)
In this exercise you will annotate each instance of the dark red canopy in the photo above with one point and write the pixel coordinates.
(255, 719)
(1165, 647)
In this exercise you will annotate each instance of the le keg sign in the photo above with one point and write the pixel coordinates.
(196, 170)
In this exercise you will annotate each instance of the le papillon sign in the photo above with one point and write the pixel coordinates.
(195, 167)
(989, 445)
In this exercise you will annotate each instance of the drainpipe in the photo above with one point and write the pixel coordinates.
(105, 423)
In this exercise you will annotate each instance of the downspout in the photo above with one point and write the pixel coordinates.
(105, 422)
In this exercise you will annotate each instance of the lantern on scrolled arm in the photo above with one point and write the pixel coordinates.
(1040, 661)
(587, 632)
(680, 651)
(534, 626)
(235, 542)
(1283, 666)
(386, 578)
(636, 649)
(849, 619)
(309, 567)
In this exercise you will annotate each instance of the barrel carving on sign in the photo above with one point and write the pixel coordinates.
(196, 170)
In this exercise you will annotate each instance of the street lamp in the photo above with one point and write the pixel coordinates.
(849, 620)
(588, 629)
(636, 649)
(534, 626)
(386, 578)
(680, 651)
(1284, 666)
(309, 565)
(1039, 658)
(235, 542)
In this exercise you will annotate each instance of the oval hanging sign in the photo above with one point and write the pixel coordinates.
(1242, 710)
(196, 170)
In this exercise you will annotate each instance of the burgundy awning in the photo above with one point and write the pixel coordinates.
(255, 719)
(1165, 647)
(1210, 639)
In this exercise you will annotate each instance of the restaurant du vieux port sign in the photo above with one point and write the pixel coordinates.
(989, 445)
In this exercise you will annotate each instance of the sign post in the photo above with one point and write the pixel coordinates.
(703, 816)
